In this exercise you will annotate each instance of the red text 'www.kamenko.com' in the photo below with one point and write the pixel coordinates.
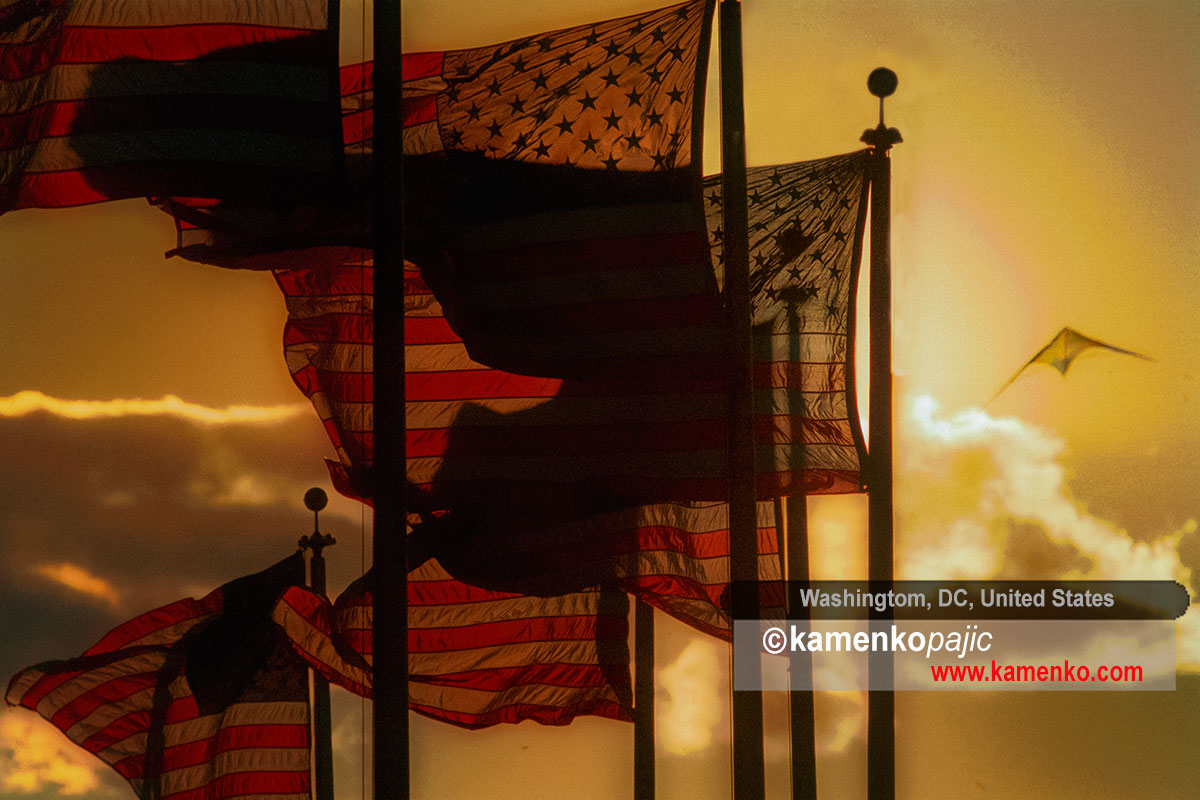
(1031, 673)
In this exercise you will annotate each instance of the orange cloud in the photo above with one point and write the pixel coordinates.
(29, 402)
(34, 754)
(80, 580)
(690, 711)
(983, 497)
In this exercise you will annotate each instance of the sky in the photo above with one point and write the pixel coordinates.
(1046, 179)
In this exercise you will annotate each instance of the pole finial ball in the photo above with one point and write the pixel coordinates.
(882, 82)
(315, 499)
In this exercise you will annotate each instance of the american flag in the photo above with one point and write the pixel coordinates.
(552, 199)
(102, 100)
(527, 457)
(476, 432)
(197, 699)
(614, 95)
(806, 222)
(478, 657)
(537, 451)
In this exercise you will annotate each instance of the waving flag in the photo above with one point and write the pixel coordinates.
(531, 404)
(102, 100)
(805, 224)
(477, 657)
(476, 431)
(199, 698)
(552, 195)
(556, 484)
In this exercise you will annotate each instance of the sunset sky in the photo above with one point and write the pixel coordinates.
(1046, 179)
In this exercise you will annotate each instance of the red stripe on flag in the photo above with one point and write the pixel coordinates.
(496, 679)
(116, 45)
(330, 329)
(476, 384)
(418, 110)
(338, 387)
(357, 78)
(97, 184)
(420, 65)
(104, 694)
(226, 739)
(241, 784)
(358, 127)
(492, 634)
(429, 330)
(323, 284)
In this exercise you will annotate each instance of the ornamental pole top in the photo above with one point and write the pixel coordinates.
(315, 499)
(882, 82)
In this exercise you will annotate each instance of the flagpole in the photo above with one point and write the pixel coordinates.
(390, 592)
(800, 701)
(315, 500)
(792, 517)
(748, 776)
(643, 702)
(881, 708)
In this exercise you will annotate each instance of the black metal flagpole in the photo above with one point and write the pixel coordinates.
(389, 558)
(315, 500)
(643, 702)
(748, 778)
(792, 517)
(801, 712)
(881, 709)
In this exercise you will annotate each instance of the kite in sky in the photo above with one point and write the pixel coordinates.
(1062, 351)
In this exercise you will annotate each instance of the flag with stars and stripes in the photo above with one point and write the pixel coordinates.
(805, 224)
(531, 406)
(480, 437)
(197, 699)
(552, 196)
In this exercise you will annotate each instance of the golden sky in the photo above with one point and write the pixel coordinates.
(1047, 179)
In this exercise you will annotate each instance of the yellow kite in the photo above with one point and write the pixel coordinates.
(1063, 349)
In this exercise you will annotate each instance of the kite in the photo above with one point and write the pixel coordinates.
(1063, 350)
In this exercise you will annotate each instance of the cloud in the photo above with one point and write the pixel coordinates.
(80, 580)
(981, 497)
(29, 402)
(36, 757)
(841, 720)
(689, 704)
(146, 510)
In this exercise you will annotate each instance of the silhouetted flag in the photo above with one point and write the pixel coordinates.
(197, 699)
(478, 657)
(805, 223)
(244, 234)
(477, 433)
(672, 555)
(552, 190)
(102, 99)
(512, 454)
(556, 484)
